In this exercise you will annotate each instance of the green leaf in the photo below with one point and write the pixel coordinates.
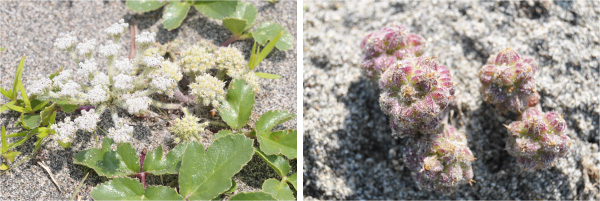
(277, 162)
(11, 155)
(253, 196)
(237, 26)
(267, 75)
(31, 121)
(38, 104)
(107, 162)
(19, 134)
(14, 107)
(131, 189)
(4, 141)
(233, 187)
(268, 48)
(174, 14)
(170, 164)
(21, 141)
(144, 5)
(279, 189)
(283, 142)
(246, 11)
(66, 107)
(216, 9)
(270, 119)
(3, 167)
(7, 93)
(205, 175)
(292, 180)
(268, 31)
(24, 96)
(252, 62)
(221, 133)
(47, 114)
(15, 89)
(237, 108)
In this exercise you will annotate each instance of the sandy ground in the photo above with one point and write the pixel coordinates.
(28, 28)
(349, 152)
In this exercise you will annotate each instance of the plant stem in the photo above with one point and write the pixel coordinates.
(182, 97)
(72, 53)
(114, 115)
(234, 38)
(86, 108)
(142, 175)
(168, 106)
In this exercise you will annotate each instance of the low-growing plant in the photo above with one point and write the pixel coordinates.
(238, 17)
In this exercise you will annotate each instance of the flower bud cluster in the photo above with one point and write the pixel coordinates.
(187, 128)
(507, 81)
(208, 90)
(121, 133)
(442, 162)
(538, 139)
(383, 48)
(65, 131)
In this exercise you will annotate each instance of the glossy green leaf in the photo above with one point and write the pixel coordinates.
(144, 5)
(268, 31)
(267, 75)
(237, 107)
(270, 119)
(246, 11)
(277, 142)
(18, 75)
(11, 155)
(131, 189)
(221, 133)
(206, 174)
(292, 179)
(216, 9)
(253, 196)
(279, 189)
(277, 162)
(107, 162)
(233, 187)
(156, 164)
(174, 14)
(237, 26)
(31, 121)
(66, 107)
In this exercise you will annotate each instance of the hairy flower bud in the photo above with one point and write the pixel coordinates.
(187, 128)
(383, 48)
(208, 90)
(121, 133)
(198, 59)
(507, 81)
(415, 92)
(538, 139)
(65, 42)
(441, 162)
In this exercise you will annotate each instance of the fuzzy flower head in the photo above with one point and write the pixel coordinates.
(100, 79)
(251, 78)
(197, 59)
(507, 81)
(70, 89)
(153, 61)
(109, 50)
(97, 95)
(125, 66)
(117, 29)
(123, 82)
(145, 38)
(187, 128)
(87, 68)
(66, 41)
(231, 59)
(121, 133)
(62, 78)
(442, 162)
(137, 104)
(163, 84)
(65, 131)
(87, 121)
(208, 90)
(538, 139)
(86, 47)
(383, 48)
(415, 92)
(39, 86)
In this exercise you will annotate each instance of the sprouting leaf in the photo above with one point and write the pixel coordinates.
(15, 89)
(174, 14)
(246, 11)
(277, 142)
(144, 5)
(292, 180)
(237, 26)
(267, 75)
(253, 196)
(131, 189)
(237, 107)
(216, 9)
(170, 164)
(206, 174)
(268, 31)
(11, 155)
(14, 107)
(31, 121)
(7, 93)
(221, 133)
(24, 96)
(277, 162)
(268, 48)
(107, 162)
(279, 189)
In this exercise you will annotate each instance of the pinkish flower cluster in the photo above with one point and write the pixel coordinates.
(442, 162)
(538, 139)
(507, 81)
(383, 48)
(415, 92)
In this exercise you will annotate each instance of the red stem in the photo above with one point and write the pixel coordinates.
(230, 40)
(86, 108)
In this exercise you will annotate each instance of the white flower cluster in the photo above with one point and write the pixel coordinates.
(65, 131)
(123, 82)
(39, 86)
(70, 89)
(97, 95)
(209, 90)
(145, 38)
(65, 42)
(87, 121)
(110, 49)
(62, 78)
(86, 47)
(121, 133)
(124, 65)
(100, 79)
(153, 61)
(137, 104)
(117, 29)
(87, 68)
(197, 59)
(165, 78)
